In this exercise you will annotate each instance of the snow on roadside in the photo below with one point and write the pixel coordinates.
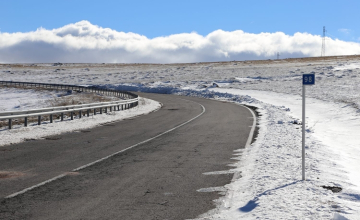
(337, 129)
(270, 185)
(33, 131)
(21, 99)
(13, 99)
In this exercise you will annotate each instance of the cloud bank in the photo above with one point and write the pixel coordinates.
(85, 42)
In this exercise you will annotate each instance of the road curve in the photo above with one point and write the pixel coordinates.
(158, 179)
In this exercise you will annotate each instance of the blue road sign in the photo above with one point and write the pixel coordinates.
(308, 79)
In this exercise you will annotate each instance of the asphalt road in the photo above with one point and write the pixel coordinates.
(158, 179)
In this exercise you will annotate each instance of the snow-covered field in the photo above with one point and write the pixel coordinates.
(267, 182)
(12, 99)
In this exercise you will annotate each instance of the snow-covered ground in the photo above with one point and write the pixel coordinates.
(12, 99)
(267, 182)
(272, 168)
(32, 99)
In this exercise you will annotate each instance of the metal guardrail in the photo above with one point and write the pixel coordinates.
(131, 100)
(121, 94)
(67, 107)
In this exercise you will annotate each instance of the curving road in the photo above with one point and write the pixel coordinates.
(157, 179)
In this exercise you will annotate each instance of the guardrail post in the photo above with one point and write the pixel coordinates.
(80, 114)
(72, 115)
(101, 110)
(88, 112)
(62, 116)
(51, 118)
(110, 108)
(39, 120)
(105, 109)
(94, 111)
(26, 122)
(10, 123)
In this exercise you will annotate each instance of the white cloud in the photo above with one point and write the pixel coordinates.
(85, 42)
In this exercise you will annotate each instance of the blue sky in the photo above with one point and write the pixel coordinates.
(161, 31)
(162, 18)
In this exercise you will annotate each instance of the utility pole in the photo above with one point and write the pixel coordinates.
(323, 43)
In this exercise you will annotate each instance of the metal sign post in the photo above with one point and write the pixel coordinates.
(308, 79)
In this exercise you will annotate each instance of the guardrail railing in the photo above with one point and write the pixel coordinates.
(130, 100)
(121, 94)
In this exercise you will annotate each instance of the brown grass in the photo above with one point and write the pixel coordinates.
(148, 65)
(81, 98)
(10, 174)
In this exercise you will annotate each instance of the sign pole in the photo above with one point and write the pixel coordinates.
(303, 132)
(308, 79)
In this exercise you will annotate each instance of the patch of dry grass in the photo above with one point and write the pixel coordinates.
(10, 174)
(78, 99)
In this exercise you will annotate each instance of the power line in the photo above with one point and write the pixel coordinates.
(328, 34)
